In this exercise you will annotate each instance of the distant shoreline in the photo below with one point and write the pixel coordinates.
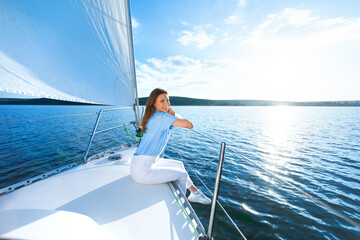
(38, 101)
(184, 101)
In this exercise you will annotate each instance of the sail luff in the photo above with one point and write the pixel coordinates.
(132, 63)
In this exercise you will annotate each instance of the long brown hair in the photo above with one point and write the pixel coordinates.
(150, 109)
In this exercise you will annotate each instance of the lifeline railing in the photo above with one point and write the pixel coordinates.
(94, 132)
(92, 135)
(215, 195)
(51, 143)
(326, 206)
(74, 138)
(218, 178)
(217, 186)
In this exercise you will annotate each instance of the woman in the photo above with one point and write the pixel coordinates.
(147, 167)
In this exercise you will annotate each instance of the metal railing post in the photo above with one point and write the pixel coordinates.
(216, 191)
(92, 136)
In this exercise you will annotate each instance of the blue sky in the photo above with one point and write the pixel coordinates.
(249, 49)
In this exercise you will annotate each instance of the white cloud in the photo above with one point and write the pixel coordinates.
(175, 62)
(232, 19)
(198, 37)
(291, 55)
(183, 76)
(242, 3)
(287, 18)
(135, 23)
(184, 23)
(299, 27)
(226, 37)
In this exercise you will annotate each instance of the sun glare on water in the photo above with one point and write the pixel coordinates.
(279, 119)
(278, 124)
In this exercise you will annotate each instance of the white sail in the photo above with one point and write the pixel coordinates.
(67, 50)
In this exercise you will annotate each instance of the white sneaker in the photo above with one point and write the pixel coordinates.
(199, 197)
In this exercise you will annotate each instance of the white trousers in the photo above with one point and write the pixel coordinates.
(155, 170)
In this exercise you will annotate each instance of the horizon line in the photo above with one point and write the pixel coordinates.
(293, 101)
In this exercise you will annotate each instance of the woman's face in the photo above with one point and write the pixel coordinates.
(162, 103)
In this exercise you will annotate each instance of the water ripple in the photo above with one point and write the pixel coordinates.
(315, 149)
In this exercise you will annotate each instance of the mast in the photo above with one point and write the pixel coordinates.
(132, 63)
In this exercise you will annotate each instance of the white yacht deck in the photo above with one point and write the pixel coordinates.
(97, 200)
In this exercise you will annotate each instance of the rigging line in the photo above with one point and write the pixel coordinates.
(187, 164)
(24, 119)
(109, 129)
(326, 206)
(28, 149)
(226, 213)
(207, 137)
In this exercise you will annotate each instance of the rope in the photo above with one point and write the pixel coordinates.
(226, 213)
(136, 140)
(24, 119)
(339, 214)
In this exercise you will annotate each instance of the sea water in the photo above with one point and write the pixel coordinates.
(296, 173)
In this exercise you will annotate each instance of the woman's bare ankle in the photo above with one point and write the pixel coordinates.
(192, 189)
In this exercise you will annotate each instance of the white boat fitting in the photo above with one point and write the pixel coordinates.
(97, 200)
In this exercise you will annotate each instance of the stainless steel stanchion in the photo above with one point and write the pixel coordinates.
(216, 191)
